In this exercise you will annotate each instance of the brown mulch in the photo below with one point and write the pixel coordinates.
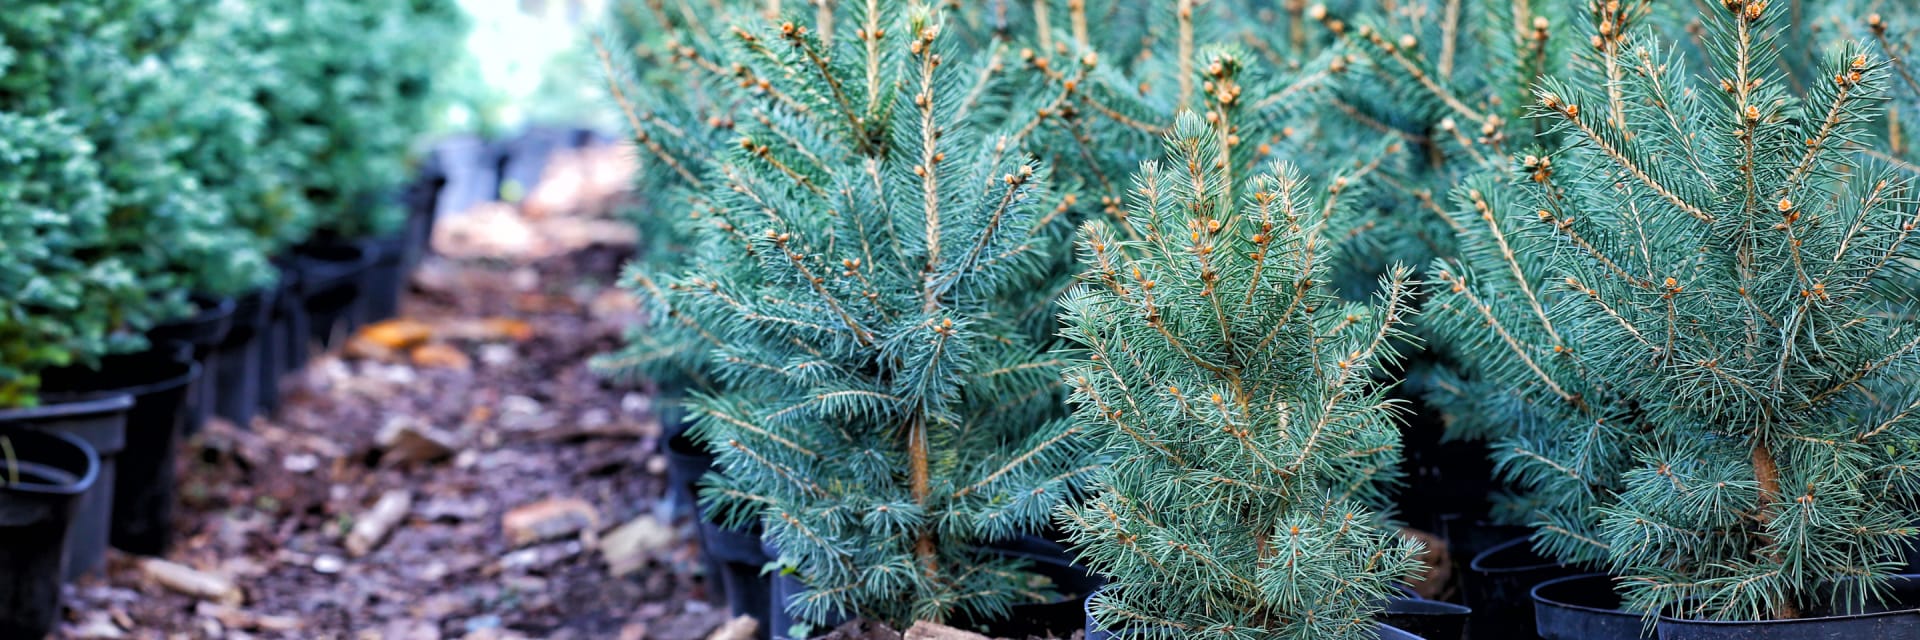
(269, 506)
(502, 381)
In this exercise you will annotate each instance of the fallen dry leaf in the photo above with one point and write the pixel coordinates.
(440, 356)
(398, 333)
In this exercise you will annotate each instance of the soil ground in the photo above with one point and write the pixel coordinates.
(493, 366)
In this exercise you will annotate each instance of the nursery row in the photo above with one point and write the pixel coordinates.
(190, 193)
(1182, 318)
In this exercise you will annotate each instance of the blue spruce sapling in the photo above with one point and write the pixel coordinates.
(1685, 317)
(881, 412)
(1231, 390)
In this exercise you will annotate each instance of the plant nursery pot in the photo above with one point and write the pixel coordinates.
(1387, 631)
(383, 279)
(143, 485)
(687, 462)
(784, 589)
(736, 559)
(100, 422)
(1064, 614)
(37, 511)
(1582, 607)
(422, 199)
(1430, 619)
(285, 346)
(330, 277)
(1896, 618)
(203, 332)
(236, 372)
(1497, 585)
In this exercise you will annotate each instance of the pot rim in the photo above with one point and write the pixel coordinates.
(1909, 611)
(1540, 599)
(185, 375)
(1479, 566)
(70, 406)
(80, 484)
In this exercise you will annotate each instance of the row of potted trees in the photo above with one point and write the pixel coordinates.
(937, 283)
(193, 194)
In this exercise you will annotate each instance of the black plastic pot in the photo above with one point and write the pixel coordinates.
(422, 199)
(235, 375)
(737, 560)
(1898, 618)
(1058, 618)
(40, 495)
(1387, 631)
(143, 485)
(203, 333)
(330, 278)
(1583, 607)
(380, 283)
(687, 462)
(284, 347)
(100, 422)
(1498, 585)
(144, 491)
(1430, 619)
(784, 589)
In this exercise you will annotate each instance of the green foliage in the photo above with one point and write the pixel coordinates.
(864, 250)
(109, 69)
(53, 210)
(680, 107)
(1688, 320)
(1232, 391)
(354, 88)
(221, 74)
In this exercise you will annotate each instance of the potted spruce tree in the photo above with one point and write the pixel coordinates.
(1232, 392)
(253, 174)
(680, 110)
(115, 70)
(1436, 92)
(883, 415)
(350, 93)
(1689, 319)
(53, 216)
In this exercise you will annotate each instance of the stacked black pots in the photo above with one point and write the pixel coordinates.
(46, 479)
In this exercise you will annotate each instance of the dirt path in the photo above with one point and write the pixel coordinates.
(514, 476)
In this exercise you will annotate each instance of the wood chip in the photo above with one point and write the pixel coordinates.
(741, 628)
(924, 630)
(371, 528)
(192, 582)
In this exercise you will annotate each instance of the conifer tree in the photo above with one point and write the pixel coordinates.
(680, 106)
(110, 69)
(1432, 91)
(62, 288)
(354, 87)
(1231, 389)
(1685, 316)
(880, 411)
